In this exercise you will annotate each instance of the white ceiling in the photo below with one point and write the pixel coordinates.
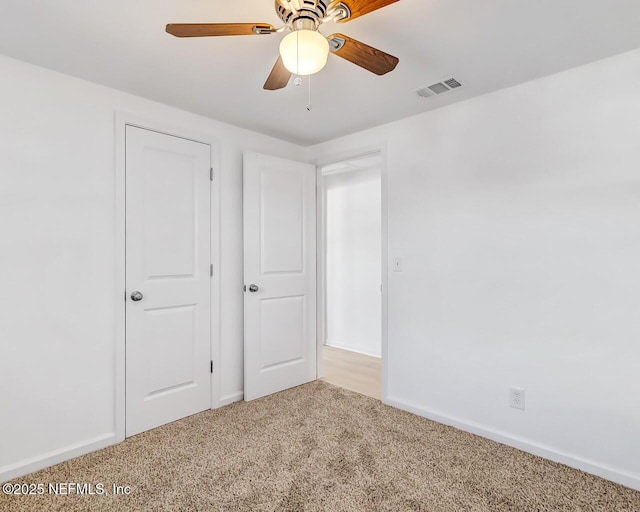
(487, 45)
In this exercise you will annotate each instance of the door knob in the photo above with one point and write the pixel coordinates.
(137, 296)
(253, 288)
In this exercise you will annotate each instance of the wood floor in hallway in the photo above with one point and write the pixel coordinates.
(352, 371)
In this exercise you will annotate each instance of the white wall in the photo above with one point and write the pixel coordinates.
(518, 217)
(353, 273)
(57, 258)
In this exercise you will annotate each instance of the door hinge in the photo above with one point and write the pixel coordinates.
(211, 366)
(211, 270)
(211, 173)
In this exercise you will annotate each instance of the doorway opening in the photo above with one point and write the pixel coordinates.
(350, 274)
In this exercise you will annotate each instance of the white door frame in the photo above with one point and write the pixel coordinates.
(381, 150)
(123, 119)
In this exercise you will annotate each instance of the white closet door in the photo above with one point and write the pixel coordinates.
(168, 312)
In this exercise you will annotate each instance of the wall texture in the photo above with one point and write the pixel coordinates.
(57, 258)
(353, 273)
(518, 217)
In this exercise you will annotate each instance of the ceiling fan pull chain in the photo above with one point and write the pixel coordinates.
(309, 104)
(297, 53)
(298, 79)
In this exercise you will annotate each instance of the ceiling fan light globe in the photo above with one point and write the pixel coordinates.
(304, 52)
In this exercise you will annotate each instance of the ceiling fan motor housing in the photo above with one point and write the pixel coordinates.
(313, 10)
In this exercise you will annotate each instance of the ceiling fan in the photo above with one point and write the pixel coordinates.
(304, 51)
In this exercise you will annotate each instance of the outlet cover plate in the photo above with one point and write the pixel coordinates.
(516, 398)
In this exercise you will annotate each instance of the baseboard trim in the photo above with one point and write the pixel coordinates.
(588, 466)
(229, 399)
(51, 458)
(348, 349)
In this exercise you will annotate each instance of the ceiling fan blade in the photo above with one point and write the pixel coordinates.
(218, 29)
(361, 7)
(361, 54)
(278, 78)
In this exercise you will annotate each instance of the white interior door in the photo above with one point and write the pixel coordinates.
(168, 313)
(279, 274)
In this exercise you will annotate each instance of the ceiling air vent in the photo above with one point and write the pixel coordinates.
(452, 83)
(439, 88)
(424, 92)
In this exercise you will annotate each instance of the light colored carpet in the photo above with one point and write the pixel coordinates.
(319, 447)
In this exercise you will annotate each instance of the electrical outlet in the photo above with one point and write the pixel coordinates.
(517, 398)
